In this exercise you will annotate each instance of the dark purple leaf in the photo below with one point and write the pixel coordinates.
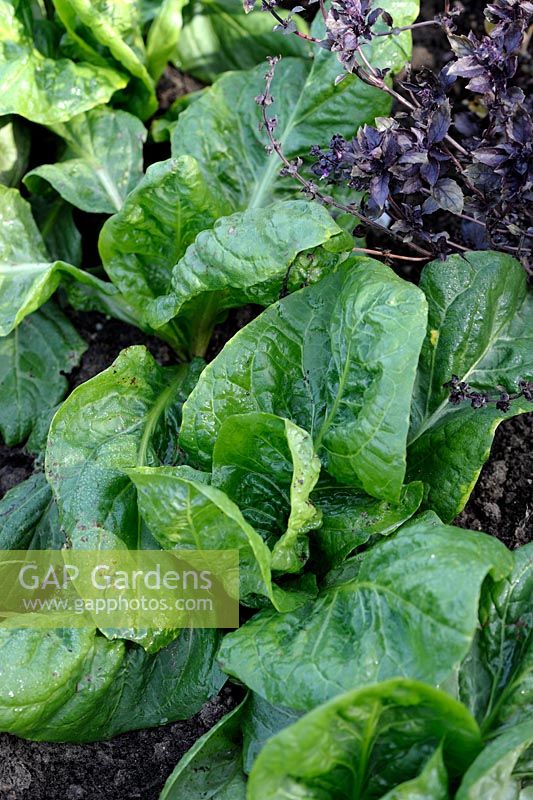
(448, 194)
(439, 124)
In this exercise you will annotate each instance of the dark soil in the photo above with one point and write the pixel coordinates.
(173, 84)
(133, 766)
(502, 502)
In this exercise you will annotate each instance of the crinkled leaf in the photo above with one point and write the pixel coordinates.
(14, 151)
(41, 89)
(496, 679)
(212, 768)
(160, 219)
(33, 361)
(103, 161)
(94, 24)
(338, 359)
(363, 743)
(28, 517)
(268, 467)
(480, 328)
(491, 775)
(218, 36)
(28, 277)
(126, 416)
(396, 617)
(350, 518)
(245, 258)
(73, 685)
(189, 514)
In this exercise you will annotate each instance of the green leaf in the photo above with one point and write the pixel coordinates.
(188, 514)
(94, 24)
(28, 517)
(350, 518)
(126, 416)
(41, 89)
(480, 328)
(245, 258)
(218, 36)
(28, 277)
(33, 361)
(212, 767)
(337, 359)
(377, 625)
(160, 219)
(308, 106)
(261, 721)
(73, 685)
(491, 775)
(267, 466)
(61, 237)
(103, 161)
(363, 743)
(14, 151)
(163, 36)
(431, 784)
(495, 679)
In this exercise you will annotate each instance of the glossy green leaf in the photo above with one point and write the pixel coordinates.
(480, 328)
(268, 467)
(126, 416)
(496, 679)
(159, 220)
(308, 106)
(103, 161)
(218, 36)
(431, 784)
(14, 151)
(28, 517)
(94, 24)
(189, 514)
(338, 359)
(363, 743)
(397, 617)
(33, 361)
(28, 277)
(163, 36)
(244, 258)
(491, 775)
(261, 722)
(41, 89)
(212, 767)
(74, 685)
(350, 518)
